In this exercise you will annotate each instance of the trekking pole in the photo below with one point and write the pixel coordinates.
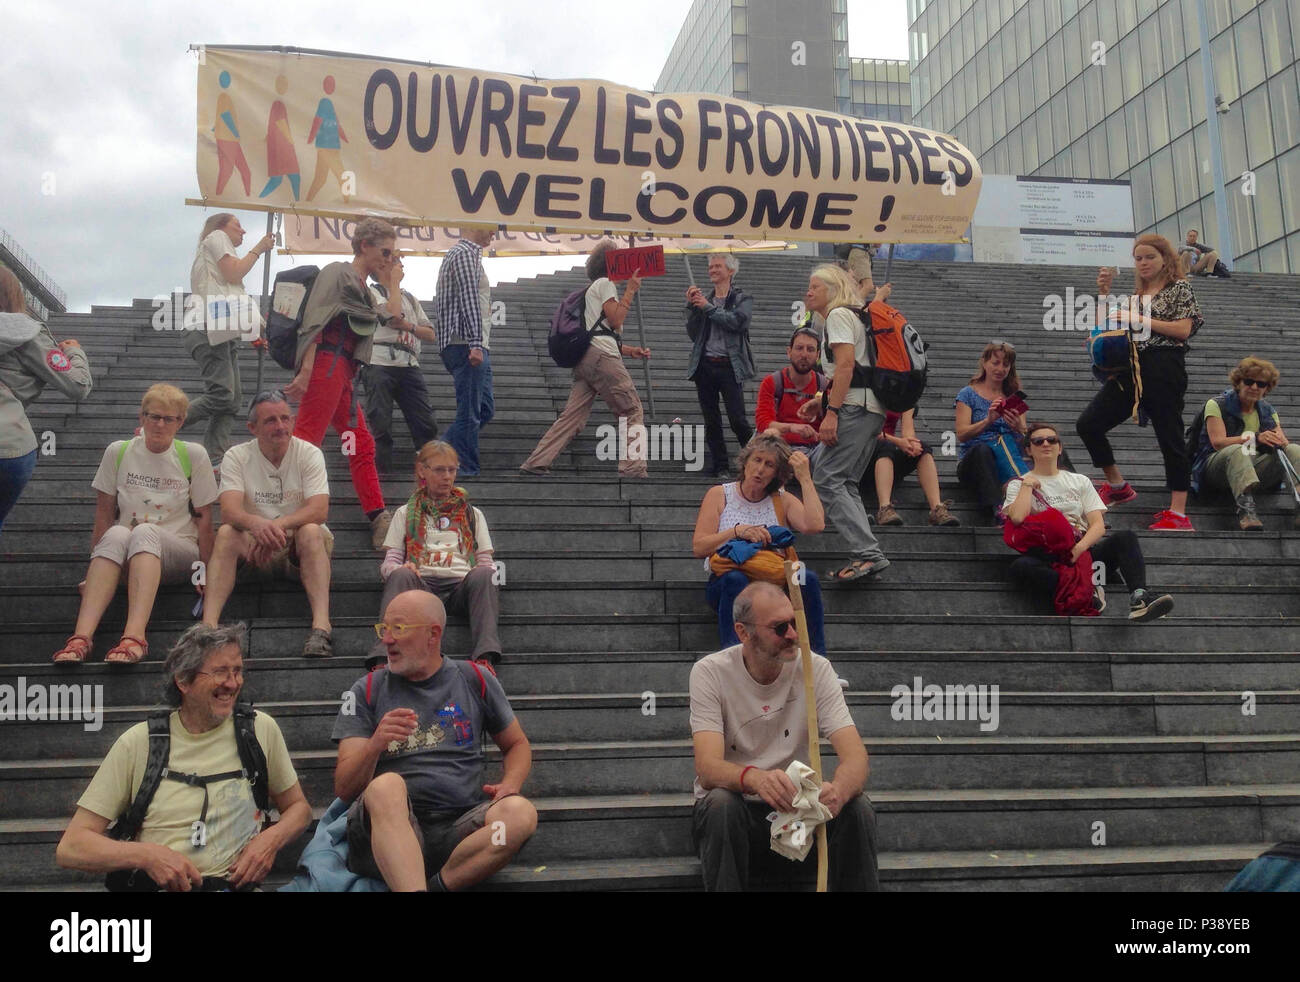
(889, 262)
(645, 362)
(271, 218)
(1289, 474)
(810, 700)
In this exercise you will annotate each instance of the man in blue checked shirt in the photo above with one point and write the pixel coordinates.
(464, 305)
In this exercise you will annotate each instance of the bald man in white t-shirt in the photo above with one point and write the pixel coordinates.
(749, 722)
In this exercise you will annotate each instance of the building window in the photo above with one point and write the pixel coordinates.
(1259, 129)
(1284, 100)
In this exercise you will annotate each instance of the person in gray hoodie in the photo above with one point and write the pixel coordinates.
(30, 359)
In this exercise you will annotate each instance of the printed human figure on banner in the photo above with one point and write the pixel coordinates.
(326, 133)
(229, 153)
(281, 158)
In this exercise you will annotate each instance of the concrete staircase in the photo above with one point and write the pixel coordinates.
(1139, 728)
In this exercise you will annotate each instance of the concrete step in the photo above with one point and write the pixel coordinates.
(48, 788)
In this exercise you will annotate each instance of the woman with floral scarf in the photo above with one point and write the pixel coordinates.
(439, 542)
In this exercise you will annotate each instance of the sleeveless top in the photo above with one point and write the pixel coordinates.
(739, 511)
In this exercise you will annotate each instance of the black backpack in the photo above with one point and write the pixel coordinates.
(569, 337)
(288, 300)
(252, 761)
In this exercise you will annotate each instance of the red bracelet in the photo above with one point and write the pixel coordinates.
(743, 770)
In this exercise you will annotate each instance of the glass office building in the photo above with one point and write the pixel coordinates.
(1114, 89)
(783, 53)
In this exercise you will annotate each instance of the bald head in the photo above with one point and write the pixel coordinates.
(758, 595)
(416, 620)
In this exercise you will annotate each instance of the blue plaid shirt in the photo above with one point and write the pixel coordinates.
(459, 316)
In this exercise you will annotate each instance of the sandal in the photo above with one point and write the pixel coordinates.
(319, 644)
(859, 568)
(120, 648)
(78, 647)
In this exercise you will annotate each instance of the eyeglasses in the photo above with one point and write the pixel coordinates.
(779, 628)
(999, 343)
(1255, 382)
(441, 471)
(397, 630)
(223, 675)
(1038, 441)
(155, 418)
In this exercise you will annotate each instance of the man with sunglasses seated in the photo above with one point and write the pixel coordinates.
(410, 762)
(1240, 446)
(189, 791)
(275, 497)
(1047, 486)
(749, 723)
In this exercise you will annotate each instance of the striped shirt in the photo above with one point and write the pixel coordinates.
(460, 318)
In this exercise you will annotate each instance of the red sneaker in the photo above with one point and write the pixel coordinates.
(1167, 521)
(1115, 496)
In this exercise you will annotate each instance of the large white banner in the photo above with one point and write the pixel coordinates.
(344, 135)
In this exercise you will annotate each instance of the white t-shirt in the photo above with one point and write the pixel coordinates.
(383, 352)
(152, 489)
(843, 326)
(205, 274)
(273, 492)
(485, 305)
(1071, 494)
(763, 725)
(446, 560)
(238, 319)
(600, 291)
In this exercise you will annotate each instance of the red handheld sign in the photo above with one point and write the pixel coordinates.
(622, 263)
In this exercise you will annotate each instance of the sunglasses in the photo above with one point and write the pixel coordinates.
(1039, 441)
(386, 253)
(1255, 382)
(999, 343)
(781, 627)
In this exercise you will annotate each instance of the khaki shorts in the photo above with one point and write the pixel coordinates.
(439, 833)
(176, 555)
(284, 564)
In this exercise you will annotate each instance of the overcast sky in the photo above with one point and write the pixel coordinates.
(98, 108)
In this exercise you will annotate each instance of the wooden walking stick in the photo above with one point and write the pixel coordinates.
(810, 699)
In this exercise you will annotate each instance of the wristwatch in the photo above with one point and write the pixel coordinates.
(834, 409)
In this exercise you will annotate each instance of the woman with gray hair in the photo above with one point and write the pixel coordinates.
(747, 510)
(339, 319)
(217, 279)
(601, 372)
(721, 361)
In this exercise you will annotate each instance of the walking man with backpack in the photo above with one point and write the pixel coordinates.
(410, 761)
(599, 372)
(206, 774)
(464, 327)
(720, 361)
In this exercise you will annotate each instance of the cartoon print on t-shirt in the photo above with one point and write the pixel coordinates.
(453, 718)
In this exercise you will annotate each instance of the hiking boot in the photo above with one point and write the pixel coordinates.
(1115, 496)
(940, 515)
(1143, 606)
(1167, 521)
(379, 529)
(1247, 518)
(887, 515)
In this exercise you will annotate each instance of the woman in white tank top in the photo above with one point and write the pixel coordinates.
(743, 510)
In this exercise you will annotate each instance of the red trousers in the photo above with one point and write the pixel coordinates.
(329, 402)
